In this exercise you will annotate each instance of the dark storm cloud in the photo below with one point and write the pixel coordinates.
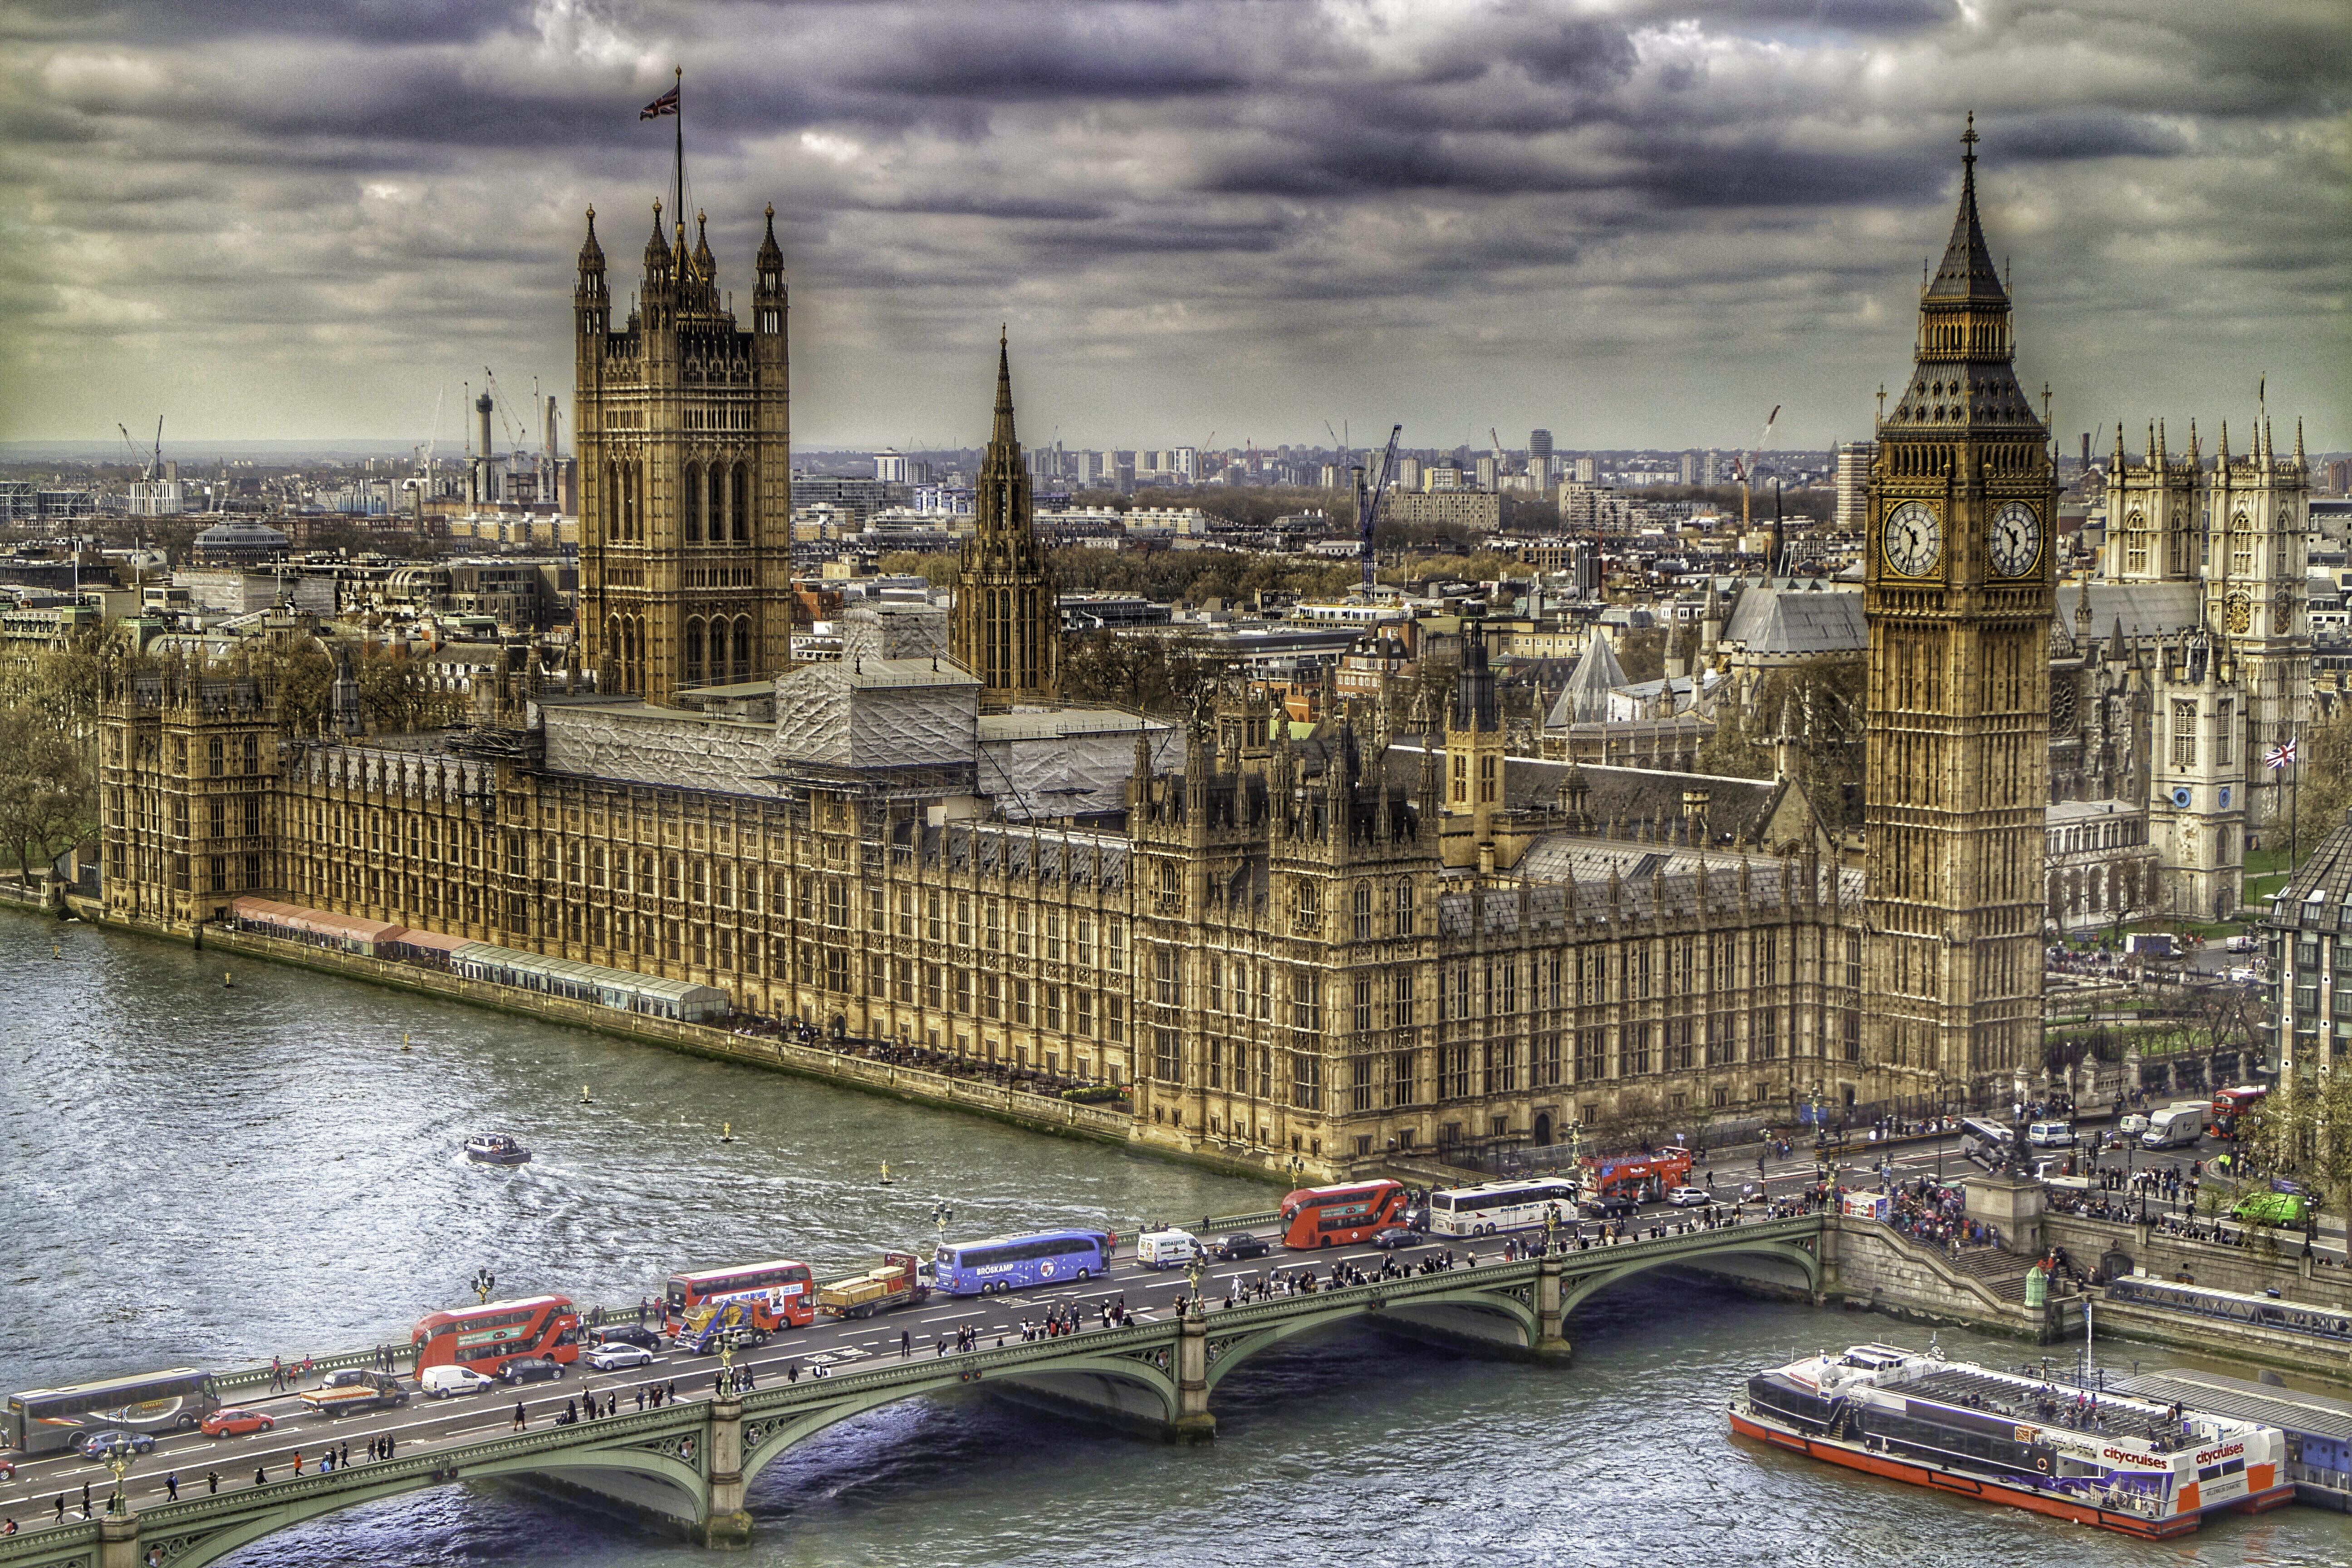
(321, 212)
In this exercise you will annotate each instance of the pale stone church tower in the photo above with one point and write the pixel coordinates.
(1958, 594)
(2197, 807)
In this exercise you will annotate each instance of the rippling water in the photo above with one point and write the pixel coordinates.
(190, 1172)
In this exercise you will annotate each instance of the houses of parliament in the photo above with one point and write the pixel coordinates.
(1308, 948)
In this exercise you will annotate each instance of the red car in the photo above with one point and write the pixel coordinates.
(235, 1422)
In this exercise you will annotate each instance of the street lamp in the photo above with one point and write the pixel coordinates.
(728, 1338)
(1194, 1272)
(484, 1282)
(116, 1456)
(942, 1211)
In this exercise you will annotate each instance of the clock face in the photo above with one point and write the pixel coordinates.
(2016, 540)
(1914, 540)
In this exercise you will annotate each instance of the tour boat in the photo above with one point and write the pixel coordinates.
(496, 1149)
(2121, 1463)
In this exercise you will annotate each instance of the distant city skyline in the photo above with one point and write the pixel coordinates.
(1193, 218)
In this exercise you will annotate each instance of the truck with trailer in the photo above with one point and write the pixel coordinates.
(898, 1282)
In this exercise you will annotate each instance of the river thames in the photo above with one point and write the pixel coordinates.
(195, 1172)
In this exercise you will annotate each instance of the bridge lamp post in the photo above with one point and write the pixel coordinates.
(117, 1456)
(942, 1212)
(727, 1339)
(1194, 1272)
(482, 1284)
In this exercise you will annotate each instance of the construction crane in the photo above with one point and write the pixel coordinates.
(1494, 439)
(1368, 505)
(1748, 466)
(149, 464)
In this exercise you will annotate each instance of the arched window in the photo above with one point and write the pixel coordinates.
(715, 503)
(718, 648)
(743, 670)
(692, 521)
(612, 666)
(694, 653)
(740, 512)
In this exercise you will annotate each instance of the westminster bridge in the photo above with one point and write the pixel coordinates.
(690, 1461)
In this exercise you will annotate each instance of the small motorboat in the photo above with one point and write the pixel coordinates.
(495, 1149)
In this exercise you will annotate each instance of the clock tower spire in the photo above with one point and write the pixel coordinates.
(1957, 593)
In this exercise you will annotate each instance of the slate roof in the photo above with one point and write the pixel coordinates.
(1797, 617)
(1585, 698)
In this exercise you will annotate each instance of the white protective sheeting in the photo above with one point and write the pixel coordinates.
(660, 746)
(1036, 771)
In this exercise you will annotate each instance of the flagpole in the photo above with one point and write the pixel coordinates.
(680, 90)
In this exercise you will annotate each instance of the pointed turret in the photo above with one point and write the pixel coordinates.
(591, 303)
(657, 256)
(2302, 464)
(768, 283)
(706, 266)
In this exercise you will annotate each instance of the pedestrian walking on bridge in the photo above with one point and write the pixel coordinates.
(522, 1421)
(172, 1486)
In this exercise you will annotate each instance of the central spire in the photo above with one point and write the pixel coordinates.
(1001, 435)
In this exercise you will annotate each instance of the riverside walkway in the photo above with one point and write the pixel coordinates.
(690, 1461)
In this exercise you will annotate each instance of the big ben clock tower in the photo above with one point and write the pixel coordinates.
(1957, 592)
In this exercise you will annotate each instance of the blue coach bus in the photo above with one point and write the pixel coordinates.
(1015, 1262)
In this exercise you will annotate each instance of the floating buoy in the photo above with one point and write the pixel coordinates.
(885, 1175)
(57, 950)
(586, 1097)
(403, 1042)
(227, 979)
(727, 1133)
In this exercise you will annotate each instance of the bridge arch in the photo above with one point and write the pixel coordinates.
(764, 1440)
(1573, 1292)
(205, 1543)
(1226, 1354)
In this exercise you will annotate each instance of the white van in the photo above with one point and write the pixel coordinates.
(2050, 1135)
(1166, 1248)
(441, 1382)
(2175, 1127)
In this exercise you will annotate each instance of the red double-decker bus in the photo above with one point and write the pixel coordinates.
(1341, 1217)
(778, 1294)
(485, 1338)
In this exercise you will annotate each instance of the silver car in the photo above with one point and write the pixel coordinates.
(613, 1355)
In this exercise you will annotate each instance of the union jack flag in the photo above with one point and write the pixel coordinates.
(2279, 757)
(666, 104)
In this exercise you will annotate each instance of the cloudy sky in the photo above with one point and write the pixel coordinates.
(1629, 223)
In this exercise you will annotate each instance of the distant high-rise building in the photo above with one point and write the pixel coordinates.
(1444, 476)
(1587, 470)
(1690, 467)
(1407, 474)
(1853, 461)
(1490, 474)
(1332, 477)
(1539, 455)
(1710, 468)
(1185, 464)
(891, 467)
